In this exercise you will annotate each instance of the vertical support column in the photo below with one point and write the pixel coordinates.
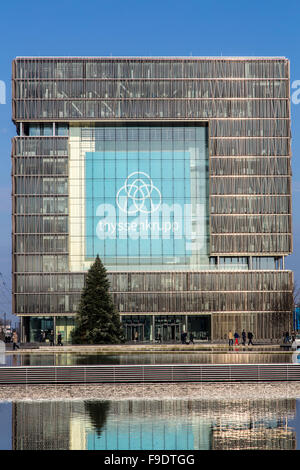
(153, 328)
(54, 329)
(185, 325)
(22, 330)
(53, 129)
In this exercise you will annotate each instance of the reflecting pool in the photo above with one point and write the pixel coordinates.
(151, 424)
(229, 357)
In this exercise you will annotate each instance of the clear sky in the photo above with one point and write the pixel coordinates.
(142, 28)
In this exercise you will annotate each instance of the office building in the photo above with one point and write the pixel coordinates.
(176, 171)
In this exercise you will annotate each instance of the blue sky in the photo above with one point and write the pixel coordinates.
(142, 28)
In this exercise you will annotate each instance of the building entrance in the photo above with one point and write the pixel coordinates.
(139, 325)
(169, 327)
(135, 332)
(168, 332)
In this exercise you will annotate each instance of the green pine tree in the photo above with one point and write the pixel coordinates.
(97, 320)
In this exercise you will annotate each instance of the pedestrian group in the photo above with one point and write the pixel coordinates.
(235, 336)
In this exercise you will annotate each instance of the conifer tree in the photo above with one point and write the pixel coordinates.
(97, 320)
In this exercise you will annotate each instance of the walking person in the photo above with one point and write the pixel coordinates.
(136, 336)
(230, 338)
(183, 337)
(250, 336)
(51, 337)
(244, 337)
(192, 338)
(59, 343)
(236, 337)
(15, 340)
(287, 337)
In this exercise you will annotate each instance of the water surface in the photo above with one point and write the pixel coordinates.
(151, 425)
(230, 357)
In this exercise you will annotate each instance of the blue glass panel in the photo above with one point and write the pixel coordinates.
(62, 129)
(34, 130)
(142, 197)
(48, 130)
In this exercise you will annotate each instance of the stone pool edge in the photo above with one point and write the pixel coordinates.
(158, 391)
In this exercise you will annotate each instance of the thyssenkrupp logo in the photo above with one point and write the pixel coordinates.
(138, 194)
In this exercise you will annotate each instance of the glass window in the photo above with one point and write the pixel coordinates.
(62, 129)
(34, 130)
(47, 129)
(264, 262)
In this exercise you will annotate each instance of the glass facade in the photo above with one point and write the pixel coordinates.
(146, 196)
(40, 329)
(175, 171)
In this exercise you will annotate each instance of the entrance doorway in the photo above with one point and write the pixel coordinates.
(168, 332)
(134, 332)
(137, 324)
(169, 327)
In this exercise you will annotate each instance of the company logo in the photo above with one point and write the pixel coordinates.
(140, 214)
(138, 195)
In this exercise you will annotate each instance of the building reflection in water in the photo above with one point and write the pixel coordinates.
(71, 359)
(154, 425)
